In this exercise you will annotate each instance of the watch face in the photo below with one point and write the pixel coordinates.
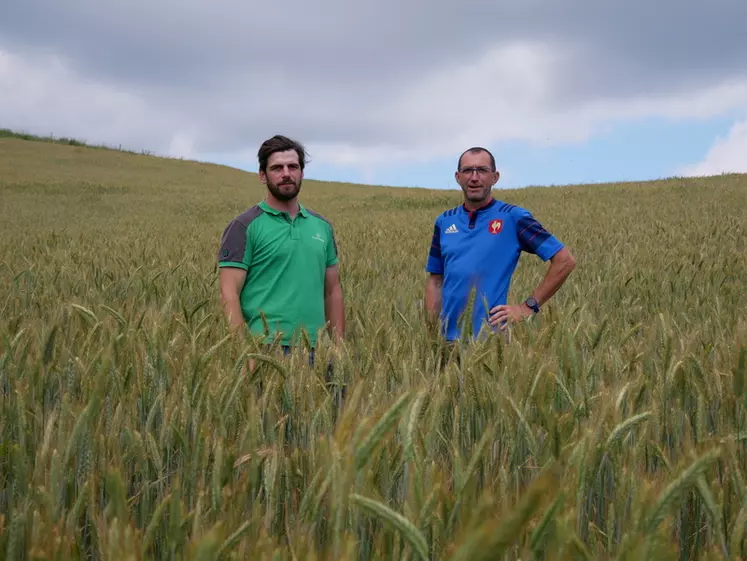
(532, 303)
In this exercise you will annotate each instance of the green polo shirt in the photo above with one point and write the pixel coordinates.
(285, 260)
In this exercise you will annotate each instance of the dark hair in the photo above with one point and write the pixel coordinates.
(476, 150)
(279, 143)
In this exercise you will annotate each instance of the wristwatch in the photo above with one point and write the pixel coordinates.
(532, 303)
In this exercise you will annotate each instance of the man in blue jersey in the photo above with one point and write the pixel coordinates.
(476, 247)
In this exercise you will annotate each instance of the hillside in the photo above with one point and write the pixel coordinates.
(34, 171)
(612, 425)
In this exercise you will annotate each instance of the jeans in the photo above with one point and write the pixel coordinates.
(287, 350)
(340, 391)
(330, 364)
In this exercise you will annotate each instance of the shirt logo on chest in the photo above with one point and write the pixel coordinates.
(318, 238)
(451, 229)
(495, 226)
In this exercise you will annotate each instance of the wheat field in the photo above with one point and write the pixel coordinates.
(613, 425)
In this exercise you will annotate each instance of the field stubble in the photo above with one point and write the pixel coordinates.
(612, 426)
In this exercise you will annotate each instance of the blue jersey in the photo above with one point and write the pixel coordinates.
(480, 250)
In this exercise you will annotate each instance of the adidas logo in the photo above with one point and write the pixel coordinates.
(451, 229)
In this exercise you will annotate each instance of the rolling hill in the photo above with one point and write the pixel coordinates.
(611, 426)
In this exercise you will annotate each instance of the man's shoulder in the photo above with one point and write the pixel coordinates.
(249, 215)
(510, 212)
(319, 216)
(448, 213)
(502, 207)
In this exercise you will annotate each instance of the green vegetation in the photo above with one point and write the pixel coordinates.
(7, 133)
(611, 427)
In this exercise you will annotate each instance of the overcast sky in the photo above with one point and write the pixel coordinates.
(391, 92)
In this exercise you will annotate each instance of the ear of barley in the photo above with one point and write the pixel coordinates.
(371, 440)
(493, 538)
(715, 513)
(687, 478)
(740, 371)
(406, 529)
(119, 387)
(624, 427)
(539, 532)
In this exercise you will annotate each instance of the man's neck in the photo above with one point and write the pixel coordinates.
(476, 205)
(291, 207)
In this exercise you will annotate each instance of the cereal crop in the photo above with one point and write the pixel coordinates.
(612, 426)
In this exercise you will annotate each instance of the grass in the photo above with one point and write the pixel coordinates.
(612, 427)
(9, 133)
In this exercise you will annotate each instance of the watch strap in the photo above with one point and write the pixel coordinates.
(532, 304)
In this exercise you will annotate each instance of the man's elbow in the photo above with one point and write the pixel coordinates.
(333, 290)
(434, 281)
(568, 262)
(229, 293)
(564, 261)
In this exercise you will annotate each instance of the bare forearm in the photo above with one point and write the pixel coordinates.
(335, 312)
(432, 302)
(232, 310)
(433, 297)
(556, 275)
(561, 266)
(231, 283)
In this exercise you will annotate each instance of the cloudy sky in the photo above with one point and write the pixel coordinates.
(391, 92)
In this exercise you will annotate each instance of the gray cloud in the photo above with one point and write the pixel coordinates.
(378, 76)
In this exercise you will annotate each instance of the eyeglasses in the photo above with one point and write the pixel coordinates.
(480, 171)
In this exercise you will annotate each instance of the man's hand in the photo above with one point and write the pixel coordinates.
(561, 265)
(506, 313)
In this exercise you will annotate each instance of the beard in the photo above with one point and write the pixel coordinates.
(284, 191)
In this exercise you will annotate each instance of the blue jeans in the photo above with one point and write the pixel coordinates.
(287, 350)
(340, 392)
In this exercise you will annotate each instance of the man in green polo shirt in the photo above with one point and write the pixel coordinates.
(278, 260)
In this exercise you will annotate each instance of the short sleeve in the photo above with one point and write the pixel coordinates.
(332, 256)
(235, 251)
(435, 262)
(533, 237)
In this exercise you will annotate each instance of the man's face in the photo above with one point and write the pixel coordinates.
(284, 175)
(476, 177)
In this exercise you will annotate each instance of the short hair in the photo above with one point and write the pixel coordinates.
(279, 143)
(476, 150)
